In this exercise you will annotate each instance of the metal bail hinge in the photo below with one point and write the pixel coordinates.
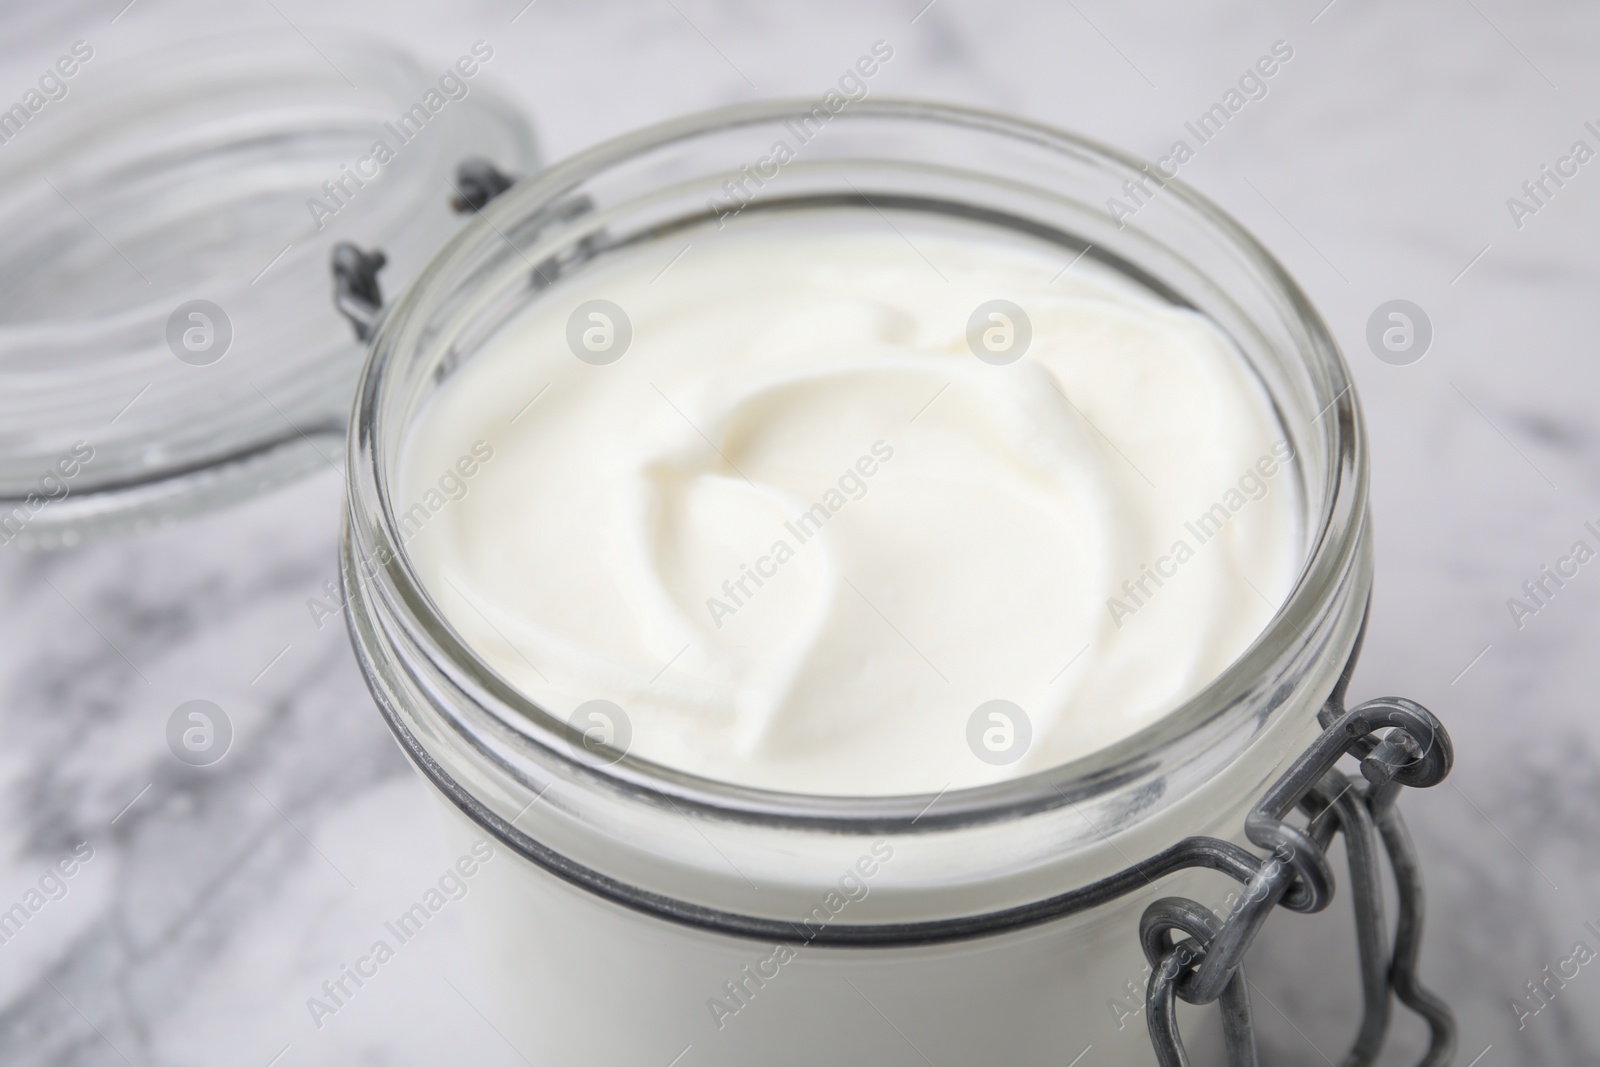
(1197, 956)
(356, 292)
(477, 182)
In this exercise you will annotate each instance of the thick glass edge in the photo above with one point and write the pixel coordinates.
(1234, 694)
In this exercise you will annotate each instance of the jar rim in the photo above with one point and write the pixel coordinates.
(372, 525)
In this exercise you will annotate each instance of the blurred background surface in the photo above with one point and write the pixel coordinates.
(1378, 167)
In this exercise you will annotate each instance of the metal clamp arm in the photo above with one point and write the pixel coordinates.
(1196, 956)
(356, 292)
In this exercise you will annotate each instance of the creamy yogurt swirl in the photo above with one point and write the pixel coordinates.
(802, 535)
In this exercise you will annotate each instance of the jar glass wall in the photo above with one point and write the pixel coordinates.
(627, 898)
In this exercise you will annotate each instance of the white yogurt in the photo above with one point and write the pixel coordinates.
(799, 532)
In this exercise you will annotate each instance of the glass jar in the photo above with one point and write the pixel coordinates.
(632, 913)
(166, 341)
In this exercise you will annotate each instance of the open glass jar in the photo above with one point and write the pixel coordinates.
(635, 912)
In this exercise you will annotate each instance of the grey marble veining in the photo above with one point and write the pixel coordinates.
(1378, 166)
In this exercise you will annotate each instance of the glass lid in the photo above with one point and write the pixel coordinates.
(168, 338)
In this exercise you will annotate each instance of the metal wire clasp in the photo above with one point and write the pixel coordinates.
(1197, 956)
(356, 292)
(359, 297)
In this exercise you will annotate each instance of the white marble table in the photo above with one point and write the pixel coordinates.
(1377, 167)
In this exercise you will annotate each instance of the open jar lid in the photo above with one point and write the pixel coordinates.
(167, 337)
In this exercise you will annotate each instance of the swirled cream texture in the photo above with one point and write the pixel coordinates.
(803, 536)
